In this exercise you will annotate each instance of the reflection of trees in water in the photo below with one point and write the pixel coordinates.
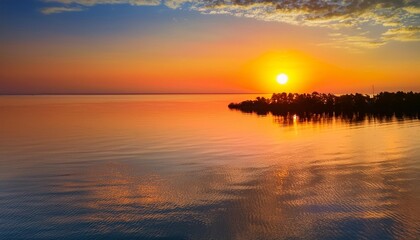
(349, 118)
(351, 107)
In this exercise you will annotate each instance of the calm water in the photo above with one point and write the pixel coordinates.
(186, 167)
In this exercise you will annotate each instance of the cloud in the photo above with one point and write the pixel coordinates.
(98, 2)
(398, 19)
(53, 10)
(354, 42)
(413, 9)
(406, 34)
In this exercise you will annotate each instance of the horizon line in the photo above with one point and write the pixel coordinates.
(180, 93)
(173, 93)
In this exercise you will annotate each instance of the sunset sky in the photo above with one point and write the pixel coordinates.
(208, 46)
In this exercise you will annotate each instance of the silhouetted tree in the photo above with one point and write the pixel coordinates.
(385, 103)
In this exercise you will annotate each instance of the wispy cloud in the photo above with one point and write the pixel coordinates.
(404, 34)
(97, 2)
(400, 19)
(354, 43)
(53, 10)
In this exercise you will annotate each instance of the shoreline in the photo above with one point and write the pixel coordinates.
(318, 103)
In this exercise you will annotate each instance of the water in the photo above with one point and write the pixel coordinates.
(187, 167)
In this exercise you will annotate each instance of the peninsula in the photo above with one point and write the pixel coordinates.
(386, 103)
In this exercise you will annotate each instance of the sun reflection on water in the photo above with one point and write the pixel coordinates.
(139, 168)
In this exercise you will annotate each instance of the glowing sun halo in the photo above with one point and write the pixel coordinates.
(282, 78)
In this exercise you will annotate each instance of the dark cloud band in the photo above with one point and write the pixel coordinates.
(399, 20)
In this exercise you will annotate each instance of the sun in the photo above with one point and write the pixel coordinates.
(282, 78)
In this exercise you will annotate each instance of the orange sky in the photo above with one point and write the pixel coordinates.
(200, 53)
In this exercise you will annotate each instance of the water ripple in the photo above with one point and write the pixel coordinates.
(120, 169)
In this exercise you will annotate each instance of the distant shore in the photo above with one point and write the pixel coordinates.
(384, 103)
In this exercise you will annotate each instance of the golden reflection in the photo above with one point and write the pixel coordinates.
(243, 175)
(266, 205)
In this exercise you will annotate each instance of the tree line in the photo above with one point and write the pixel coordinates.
(385, 103)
